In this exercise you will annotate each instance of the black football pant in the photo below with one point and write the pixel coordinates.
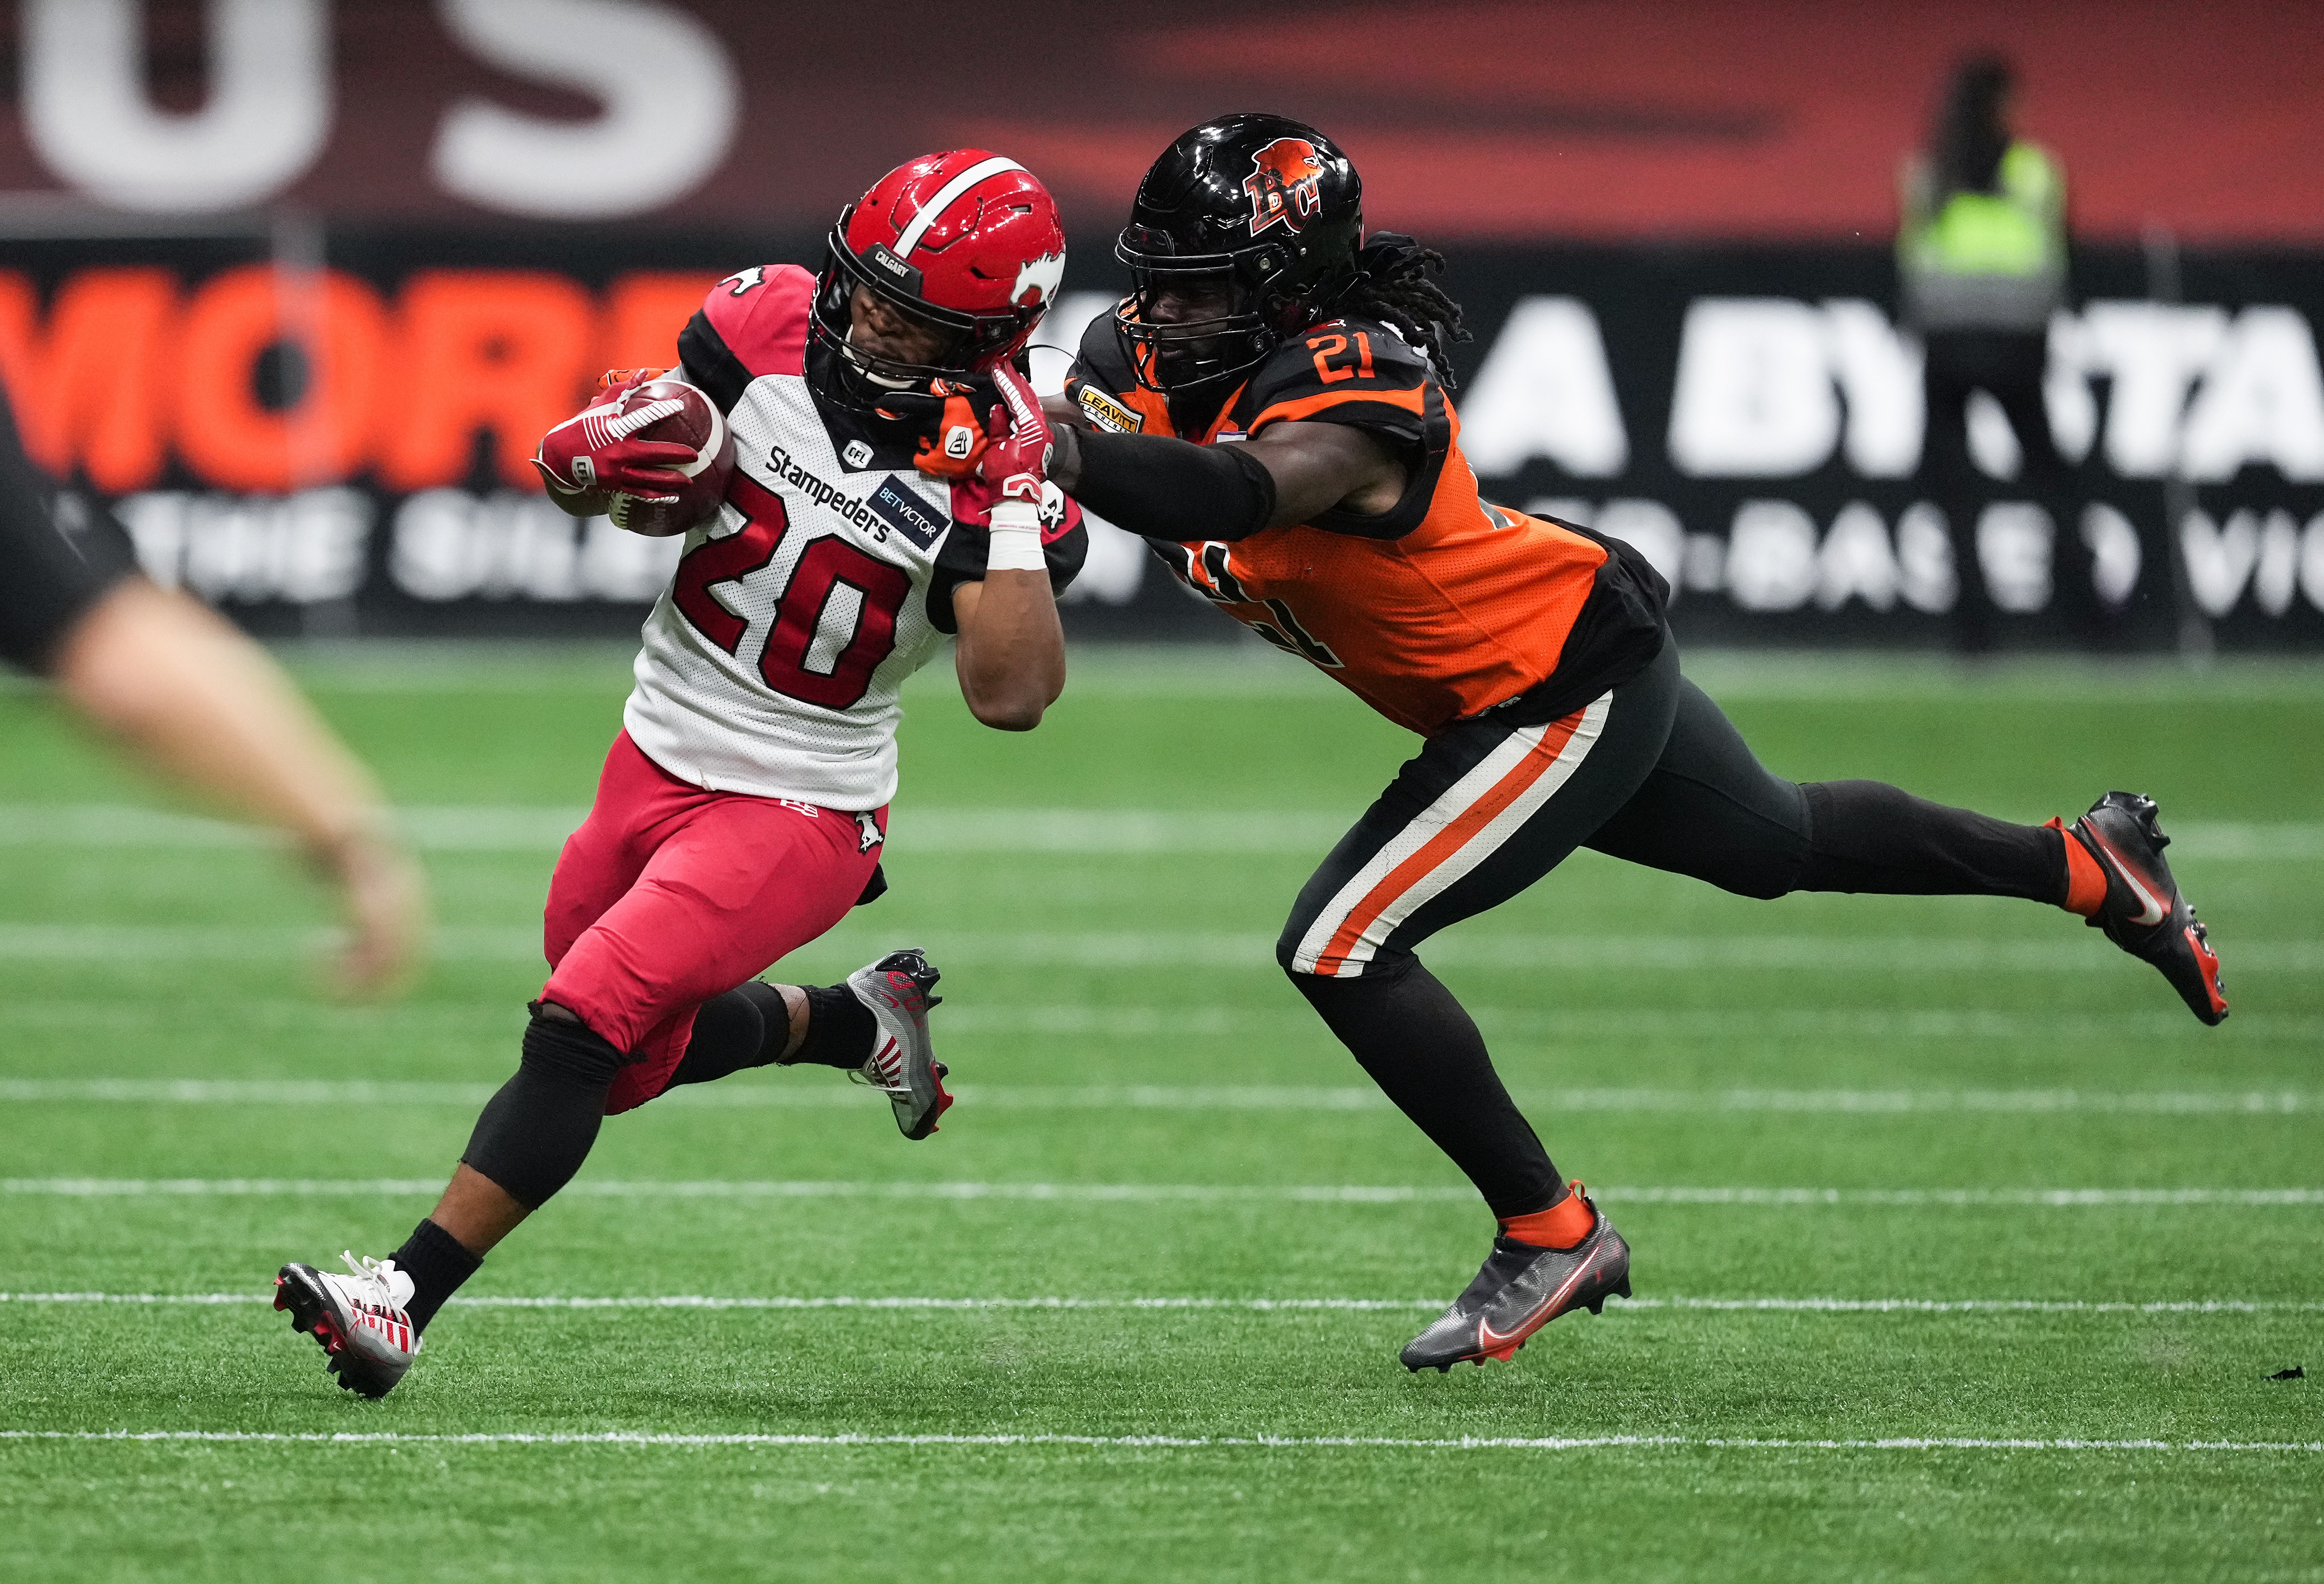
(1651, 772)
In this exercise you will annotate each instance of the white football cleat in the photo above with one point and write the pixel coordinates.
(903, 1064)
(359, 1319)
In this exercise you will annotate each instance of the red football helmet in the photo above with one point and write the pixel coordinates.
(965, 240)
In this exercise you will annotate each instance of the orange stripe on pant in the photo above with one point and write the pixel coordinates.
(1446, 843)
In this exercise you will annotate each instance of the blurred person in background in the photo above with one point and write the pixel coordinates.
(1981, 259)
(196, 703)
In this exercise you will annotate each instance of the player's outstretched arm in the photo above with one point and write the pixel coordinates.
(1172, 489)
(195, 700)
(1011, 659)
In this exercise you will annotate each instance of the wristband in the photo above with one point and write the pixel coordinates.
(1011, 546)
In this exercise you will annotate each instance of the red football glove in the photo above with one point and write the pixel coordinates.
(1016, 463)
(591, 454)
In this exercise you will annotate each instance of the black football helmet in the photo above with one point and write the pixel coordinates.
(1265, 206)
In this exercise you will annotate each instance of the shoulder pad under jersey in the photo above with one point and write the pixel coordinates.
(751, 324)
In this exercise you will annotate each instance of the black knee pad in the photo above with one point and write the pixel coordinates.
(536, 1130)
(570, 1052)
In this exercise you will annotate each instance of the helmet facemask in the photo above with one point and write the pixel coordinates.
(1182, 355)
(863, 379)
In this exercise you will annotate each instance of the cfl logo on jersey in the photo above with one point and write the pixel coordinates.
(856, 455)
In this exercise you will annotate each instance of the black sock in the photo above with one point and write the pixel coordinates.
(1867, 836)
(1423, 1049)
(747, 1026)
(840, 1028)
(438, 1263)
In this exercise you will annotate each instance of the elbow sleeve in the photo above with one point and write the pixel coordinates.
(1167, 489)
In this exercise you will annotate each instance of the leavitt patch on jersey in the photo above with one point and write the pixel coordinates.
(1108, 414)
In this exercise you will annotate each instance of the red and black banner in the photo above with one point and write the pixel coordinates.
(328, 431)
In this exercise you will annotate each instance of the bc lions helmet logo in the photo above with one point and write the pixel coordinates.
(1282, 183)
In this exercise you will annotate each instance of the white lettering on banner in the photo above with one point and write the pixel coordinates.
(2155, 352)
(1754, 396)
(1924, 559)
(2014, 541)
(2262, 400)
(2276, 578)
(1545, 391)
(263, 121)
(452, 545)
(1992, 440)
(2066, 389)
(306, 547)
(672, 105)
(2115, 554)
(1772, 560)
(2219, 560)
(1879, 373)
(1856, 562)
(2271, 557)
(1771, 555)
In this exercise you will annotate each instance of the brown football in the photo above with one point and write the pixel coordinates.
(695, 421)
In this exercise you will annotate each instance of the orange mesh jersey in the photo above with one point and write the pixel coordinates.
(1439, 608)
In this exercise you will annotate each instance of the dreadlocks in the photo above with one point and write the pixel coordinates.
(1392, 285)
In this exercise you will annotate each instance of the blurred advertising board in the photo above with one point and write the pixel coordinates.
(327, 432)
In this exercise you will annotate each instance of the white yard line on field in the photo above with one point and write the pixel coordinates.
(1162, 1192)
(518, 828)
(630, 1437)
(1029, 1097)
(1272, 1305)
(2066, 951)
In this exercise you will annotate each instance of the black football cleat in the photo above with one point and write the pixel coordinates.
(2143, 913)
(1520, 1290)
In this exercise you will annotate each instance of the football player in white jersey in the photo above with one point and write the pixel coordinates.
(887, 488)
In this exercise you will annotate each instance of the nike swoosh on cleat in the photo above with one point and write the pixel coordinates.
(1489, 1339)
(2154, 909)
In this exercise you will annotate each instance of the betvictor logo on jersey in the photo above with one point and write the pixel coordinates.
(900, 509)
(893, 508)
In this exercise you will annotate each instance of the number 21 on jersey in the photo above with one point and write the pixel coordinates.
(1209, 571)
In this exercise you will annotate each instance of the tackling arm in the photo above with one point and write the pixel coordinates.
(1173, 490)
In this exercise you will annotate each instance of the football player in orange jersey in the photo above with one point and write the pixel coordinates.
(1268, 408)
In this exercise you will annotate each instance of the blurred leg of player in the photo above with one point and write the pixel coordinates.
(665, 902)
(1652, 773)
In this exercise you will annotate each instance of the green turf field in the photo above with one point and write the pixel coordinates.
(1962, 1251)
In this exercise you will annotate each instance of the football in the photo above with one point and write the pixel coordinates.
(673, 411)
